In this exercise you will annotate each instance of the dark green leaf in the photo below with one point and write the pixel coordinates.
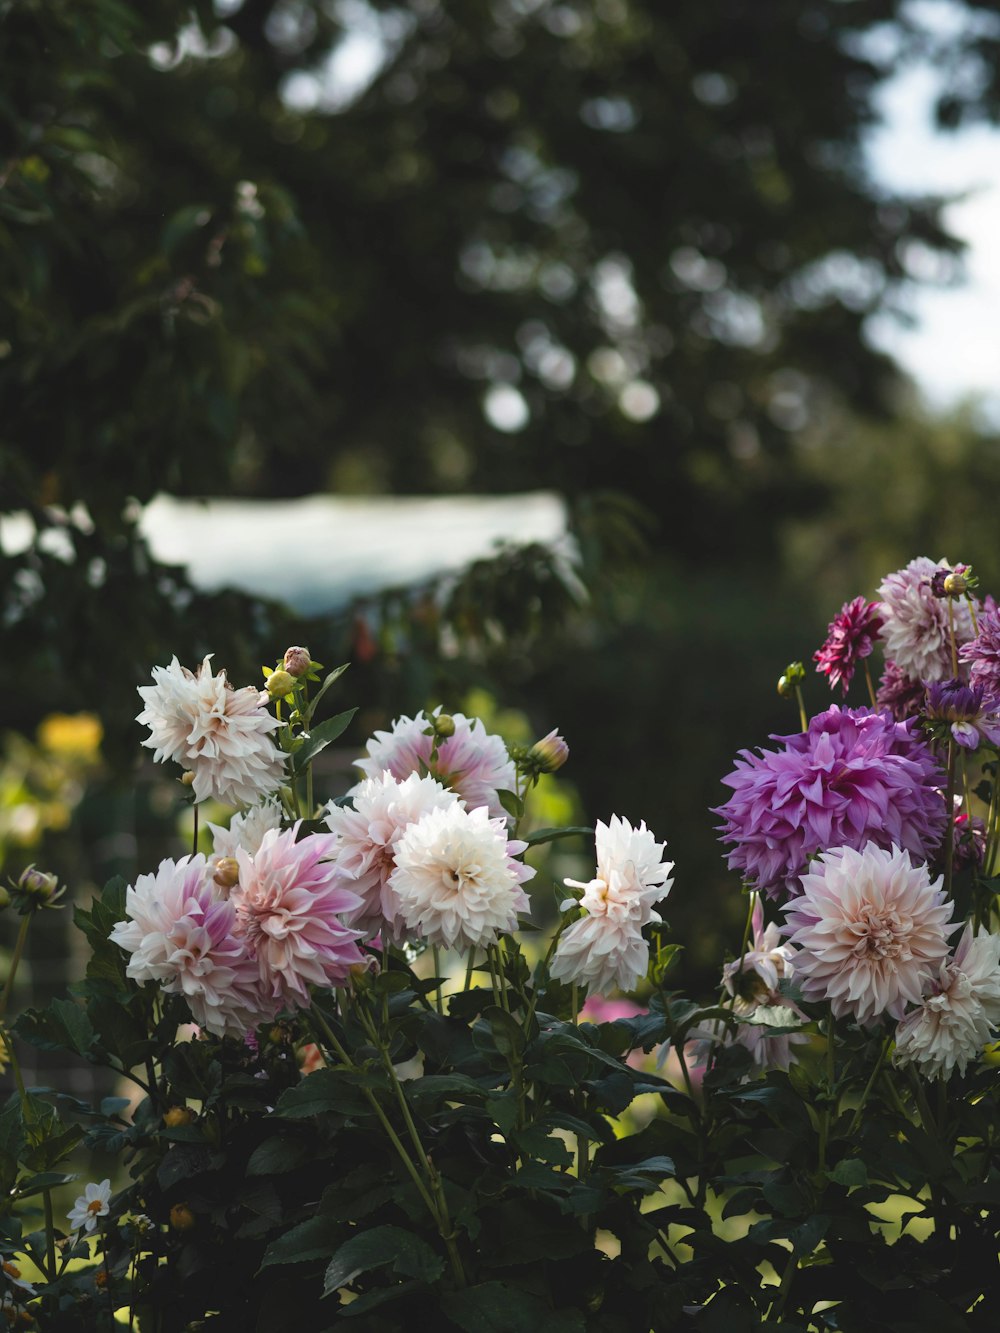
(408, 1254)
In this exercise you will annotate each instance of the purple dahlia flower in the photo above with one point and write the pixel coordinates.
(969, 717)
(853, 777)
(983, 653)
(899, 693)
(850, 636)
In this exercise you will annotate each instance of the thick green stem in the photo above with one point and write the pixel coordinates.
(438, 1001)
(856, 1118)
(22, 936)
(50, 1234)
(803, 717)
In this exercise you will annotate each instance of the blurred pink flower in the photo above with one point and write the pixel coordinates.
(870, 928)
(471, 762)
(289, 903)
(915, 621)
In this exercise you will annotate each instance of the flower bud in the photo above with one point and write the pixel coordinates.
(550, 753)
(176, 1116)
(444, 725)
(297, 661)
(181, 1217)
(280, 684)
(5, 898)
(793, 676)
(227, 872)
(36, 890)
(186, 779)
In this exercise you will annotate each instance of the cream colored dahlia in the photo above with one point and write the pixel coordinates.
(870, 928)
(959, 1014)
(223, 736)
(915, 627)
(605, 947)
(245, 830)
(366, 843)
(456, 881)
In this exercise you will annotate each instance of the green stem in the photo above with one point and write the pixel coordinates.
(436, 956)
(803, 719)
(22, 936)
(194, 832)
(777, 1306)
(951, 637)
(468, 968)
(871, 687)
(856, 1119)
(949, 840)
(50, 1234)
(747, 928)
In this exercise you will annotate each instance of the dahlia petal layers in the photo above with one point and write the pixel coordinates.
(982, 654)
(471, 762)
(852, 777)
(850, 637)
(366, 839)
(289, 903)
(916, 628)
(222, 735)
(960, 1012)
(870, 928)
(456, 881)
(605, 948)
(181, 935)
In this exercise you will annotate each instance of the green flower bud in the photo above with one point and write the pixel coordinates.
(280, 684)
(444, 726)
(794, 674)
(548, 754)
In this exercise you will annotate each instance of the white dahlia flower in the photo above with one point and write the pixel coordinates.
(366, 842)
(471, 762)
(92, 1204)
(245, 830)
(606, 948)
(222, 735)
(871, 928)
(960, 1013)
(915, 627)
(181, 935)
(456, 882)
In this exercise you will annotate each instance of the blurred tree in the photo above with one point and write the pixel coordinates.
(594, 244)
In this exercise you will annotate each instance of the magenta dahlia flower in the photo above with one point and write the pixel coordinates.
(853, 777)
(850, 637)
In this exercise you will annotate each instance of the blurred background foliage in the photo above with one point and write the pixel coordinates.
(619, 249)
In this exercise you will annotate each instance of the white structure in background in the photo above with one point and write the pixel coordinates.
(318, 552)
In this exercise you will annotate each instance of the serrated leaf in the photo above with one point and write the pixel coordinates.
(849, 1171)
(408, 1254)
(315, 1238)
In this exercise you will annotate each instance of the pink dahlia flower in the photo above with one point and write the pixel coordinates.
(223, 736)
(853, 777)
(982, 654)
(366, 839)
(850, 637)
(871, 928)
(471, 762)
(753, 982)
(183, 937)
(605, 947)
(289, 903)
(456, 881)
(960, 1013)
(916, 629)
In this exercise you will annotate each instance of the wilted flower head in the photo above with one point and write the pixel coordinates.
(605, 947)
(852, 777)
(982, 654)
(960, 1012)
(470, 761)
(764, 964)
(456, 881)
(898, 694)
(968, 718)
(222, 735)
(181, 934)
(871, 927)
(916, 627)
(93, 1204)
(289, 903)
(850, 637)
(366, 839)
(753, 982)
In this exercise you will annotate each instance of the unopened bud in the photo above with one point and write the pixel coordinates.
(227, 872)
(956, 585)
(297, 661)
(176, 1116)
(35, 890)
(550, 753)
(186, 779)
(444, 725)
(181, 1217)
(794, 674)
(280, 684)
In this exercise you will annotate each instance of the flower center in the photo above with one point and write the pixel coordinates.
(94, 1206)
(876, 936)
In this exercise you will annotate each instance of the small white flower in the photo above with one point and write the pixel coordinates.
(366, 843)
(16, 1282)
(456, 881)
(245, 830)
(606, 948)
(92, 1204)
(960, 1014)
(222, 735)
